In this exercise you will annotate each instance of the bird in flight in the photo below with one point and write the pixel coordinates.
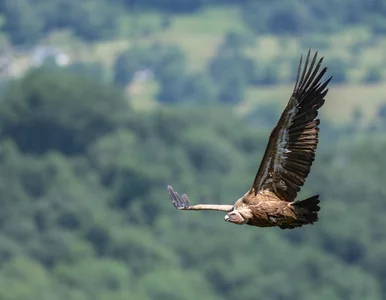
(286, 162)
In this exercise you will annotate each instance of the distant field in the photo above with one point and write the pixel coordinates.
(341, 101)
(199, 35)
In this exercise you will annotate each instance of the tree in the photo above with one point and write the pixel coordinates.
(22, 23)
(92, 70)
(171, 72)
(338, 68)
(278, 17)
(134, 60)
(176, 6)
(52, 109)
(230, 69)
(91, 20)
(373, 75)
(200, 88)
(169, 67)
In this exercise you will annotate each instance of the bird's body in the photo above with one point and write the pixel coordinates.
(285, 165)
(265, 209)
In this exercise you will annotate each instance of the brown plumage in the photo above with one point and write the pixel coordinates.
(286, 162)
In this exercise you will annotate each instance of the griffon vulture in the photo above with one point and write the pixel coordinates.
(286, 162)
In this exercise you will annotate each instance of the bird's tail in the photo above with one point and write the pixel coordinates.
(306, 212)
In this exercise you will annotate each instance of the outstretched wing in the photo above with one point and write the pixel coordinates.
(291, 148)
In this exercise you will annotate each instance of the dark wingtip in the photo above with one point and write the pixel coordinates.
(179, 202)
(174, 196)
(186, 202)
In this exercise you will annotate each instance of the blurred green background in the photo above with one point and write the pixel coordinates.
(105, 102)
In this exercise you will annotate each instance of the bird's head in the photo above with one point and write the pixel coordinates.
(235, 217)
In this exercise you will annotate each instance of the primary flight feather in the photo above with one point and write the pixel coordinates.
(286, 162)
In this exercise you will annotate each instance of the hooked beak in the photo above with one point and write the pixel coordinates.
(226, 218)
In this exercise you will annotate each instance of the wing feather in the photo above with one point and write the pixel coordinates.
(291, 148)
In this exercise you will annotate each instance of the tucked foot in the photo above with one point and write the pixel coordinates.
(272, 219)
(179, 202)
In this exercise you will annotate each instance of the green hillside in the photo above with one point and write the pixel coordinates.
(186, 93)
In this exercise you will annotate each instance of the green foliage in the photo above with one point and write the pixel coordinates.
(231, 69)
(22, 23)
(23, 278)
(25, 20)
(134, 60)
(263, 116)
(92, 70)
(373, 75)
(267, 74)
(177, 84)
(50, 109)
(200, 88)
(178, 6)
(85, 213)
(338, 68)
(278, 17)
(171, 71)
(92, 20)
(297, 17)
(169, 67)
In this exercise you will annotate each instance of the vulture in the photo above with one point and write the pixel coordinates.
(286, 163)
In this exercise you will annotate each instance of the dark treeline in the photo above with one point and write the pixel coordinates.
(25, 21)
(84, 211)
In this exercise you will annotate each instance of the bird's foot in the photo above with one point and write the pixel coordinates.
(272, 219)
(180, 202)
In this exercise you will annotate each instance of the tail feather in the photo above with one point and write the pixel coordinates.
(306, 212)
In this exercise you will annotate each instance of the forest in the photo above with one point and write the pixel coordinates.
(87, 151)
